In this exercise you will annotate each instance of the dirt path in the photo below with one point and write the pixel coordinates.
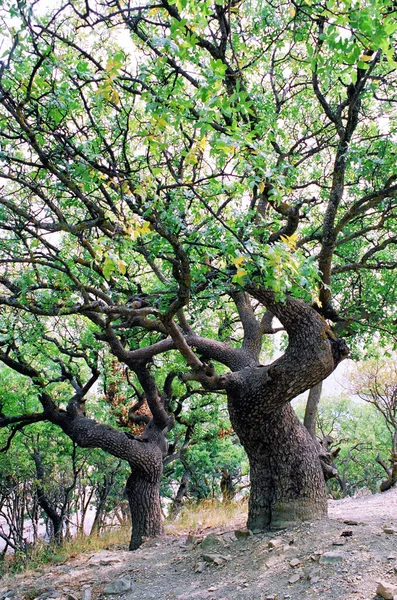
(217, 566)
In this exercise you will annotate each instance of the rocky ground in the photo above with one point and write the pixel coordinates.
(341, 558)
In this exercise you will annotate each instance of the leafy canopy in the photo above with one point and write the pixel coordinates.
(159, 160)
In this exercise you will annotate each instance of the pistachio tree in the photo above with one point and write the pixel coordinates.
(175, 177)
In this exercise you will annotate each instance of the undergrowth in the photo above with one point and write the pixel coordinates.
(44, 553)
(193, 518)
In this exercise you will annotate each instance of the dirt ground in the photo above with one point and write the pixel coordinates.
(340, 558)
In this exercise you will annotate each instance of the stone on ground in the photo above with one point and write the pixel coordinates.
(118, 586)
(386, 590)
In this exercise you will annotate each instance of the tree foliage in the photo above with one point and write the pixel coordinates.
(147, 147)
(359, 432)
(375, 382)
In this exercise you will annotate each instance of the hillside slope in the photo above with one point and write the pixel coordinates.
(215, 565)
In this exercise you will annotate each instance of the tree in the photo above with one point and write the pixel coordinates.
(375, 382)
(354, 434)
(208, 467)
(175, 177)
(108, 485)
(16, 505)
(45, 479)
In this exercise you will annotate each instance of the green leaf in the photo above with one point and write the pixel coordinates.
(108, 267)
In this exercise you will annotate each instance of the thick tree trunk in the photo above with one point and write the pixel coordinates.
(144, 500)
(287, 483)
(145, 456)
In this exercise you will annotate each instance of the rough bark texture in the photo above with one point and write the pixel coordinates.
(145, 457)
(143, 494)
(287, 483)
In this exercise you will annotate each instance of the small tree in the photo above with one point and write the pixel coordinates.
(358, 432)
(375, 382)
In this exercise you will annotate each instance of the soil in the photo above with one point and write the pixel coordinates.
(360, 534)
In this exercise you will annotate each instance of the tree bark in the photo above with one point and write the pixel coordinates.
(287, 484)
(310, 418)
(144, 455)
(227, 487)
(181, 493)
(143, 494)
(56, 518)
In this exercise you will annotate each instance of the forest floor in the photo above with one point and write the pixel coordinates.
(339, 558)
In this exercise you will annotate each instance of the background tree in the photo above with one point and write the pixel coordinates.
(108, 485)
(16, 503)
(375, 382)
(48, 486)
(212, 467)
(358, 432)
(175, 175)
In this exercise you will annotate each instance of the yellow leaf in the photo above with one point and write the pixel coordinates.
(114, 97)
(290, 240)
(202, 144)
(292, 11)
(112, 66)
(261, 187)
(225, 148)
(316, 300)
(365, 58)
(122, 267)
(98, 253)
(160, 122)
(239, 275)
(145, 228)
(191, 157)
(240, 260)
